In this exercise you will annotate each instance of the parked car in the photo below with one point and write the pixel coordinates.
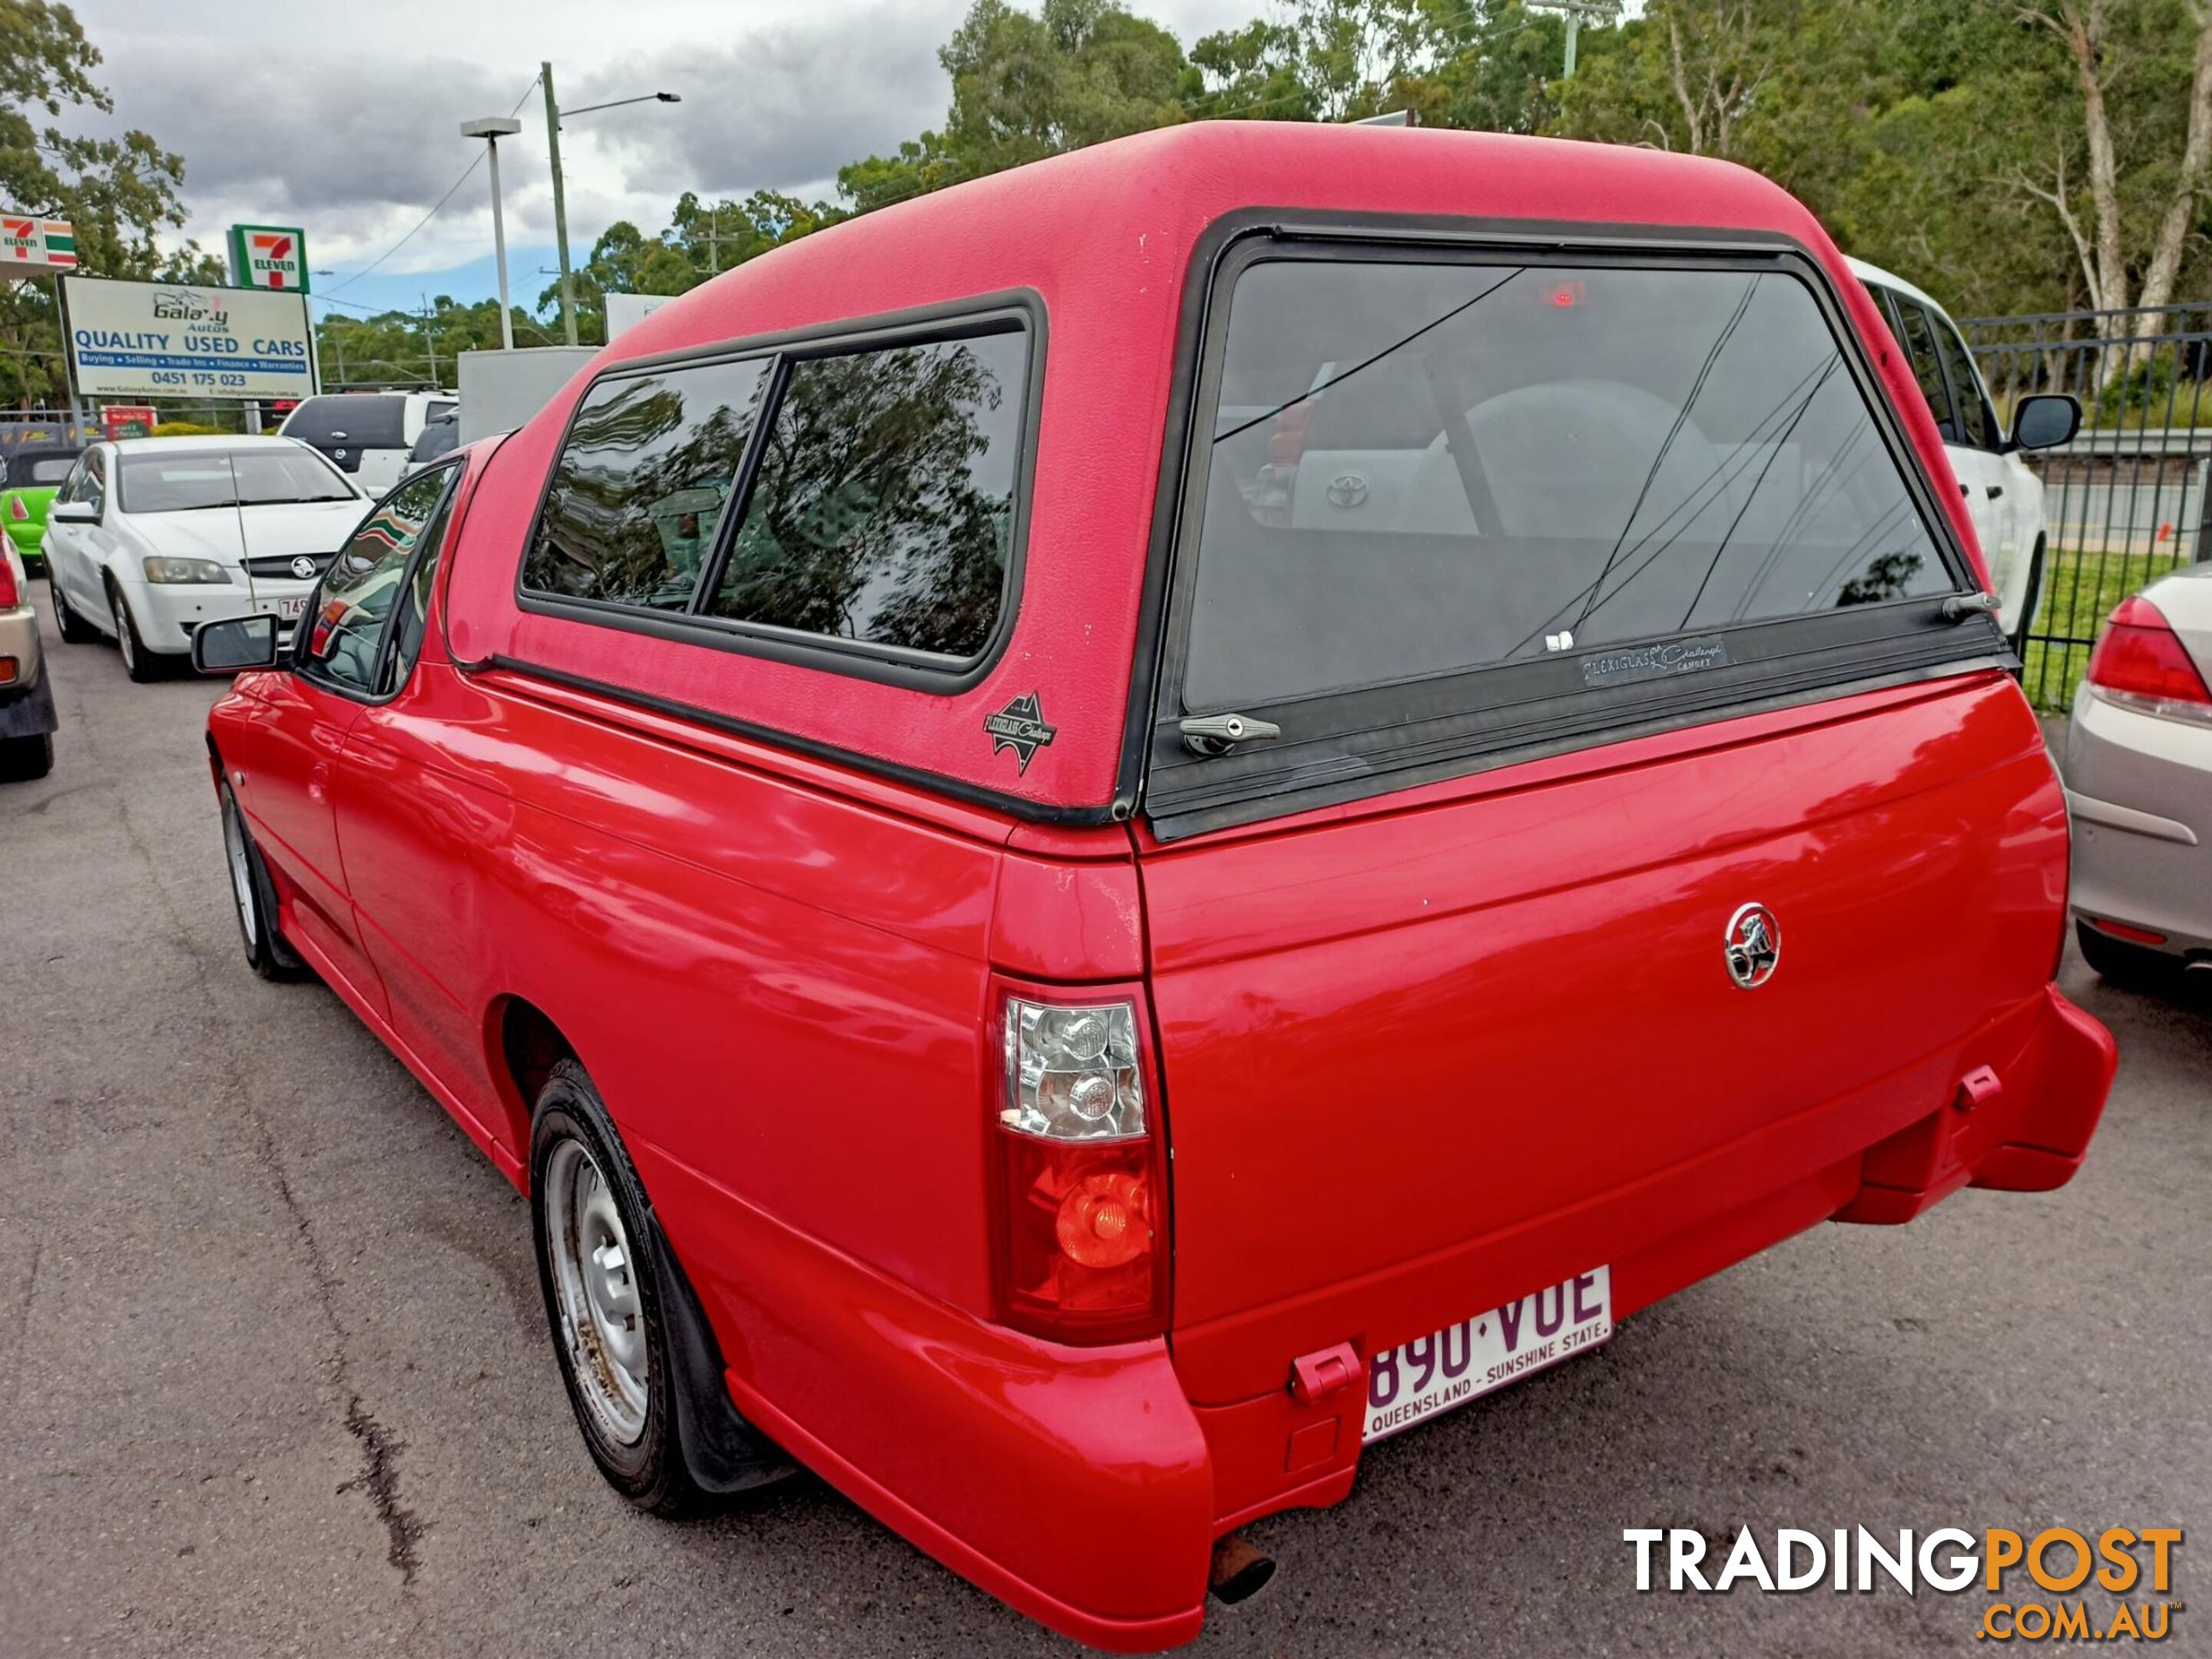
(27, 697)
(439, 438)
(2139, 780)
(31, 476)
(149, 538)
(2003, 496)
(851, 795)
(367, 435)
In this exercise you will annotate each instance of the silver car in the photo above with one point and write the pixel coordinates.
(26, 699)
(2139, 784)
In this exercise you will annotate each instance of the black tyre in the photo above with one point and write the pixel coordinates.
(75, 630)
(603, 1297)
(2124, 963)
(253, 897)
(22, 759)
(2028, 601)
(143, 665)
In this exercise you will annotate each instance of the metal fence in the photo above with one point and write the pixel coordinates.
(2126, 502)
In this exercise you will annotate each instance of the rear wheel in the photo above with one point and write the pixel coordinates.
(22, 759)
(602, 1298)
(75, 630)
(253, 898)
(142, 664)
(2124, 963)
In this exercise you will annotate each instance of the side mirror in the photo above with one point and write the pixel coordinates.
(2045, 420)
(235, 643)
(73, 513)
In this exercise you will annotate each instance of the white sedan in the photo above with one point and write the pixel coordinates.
(149, 538)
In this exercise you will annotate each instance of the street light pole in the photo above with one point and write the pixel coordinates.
(491, 129)
(553, 114)
(560, 204)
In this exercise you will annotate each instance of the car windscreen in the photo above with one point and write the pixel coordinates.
(41, 467)
(439, 437)
(1422, 469)
(357, 420)
(201, 478)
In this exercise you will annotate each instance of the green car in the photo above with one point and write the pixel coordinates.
(28, 479)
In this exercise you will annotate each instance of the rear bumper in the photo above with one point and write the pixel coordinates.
(2139, 789)
(1073, 1483)
(1085, 1486)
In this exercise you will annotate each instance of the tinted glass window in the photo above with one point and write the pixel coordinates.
(883, 509)
(42, 469)
(189, 479)
(439, 437)
(413, 604)
(1977, 424)
(1917, 334)
(1488, 463)
(641, 485)
(350, 420)
(360, 592)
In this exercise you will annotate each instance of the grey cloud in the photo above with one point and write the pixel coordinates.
(781, 108)
(315, 135)
(345, 132)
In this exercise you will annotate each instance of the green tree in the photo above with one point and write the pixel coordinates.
(1025, 87)
(119, 193)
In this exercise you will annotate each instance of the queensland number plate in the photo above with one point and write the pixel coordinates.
(1480, 1355)
(292, 609)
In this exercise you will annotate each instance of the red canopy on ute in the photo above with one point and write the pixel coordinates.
(1104, 238)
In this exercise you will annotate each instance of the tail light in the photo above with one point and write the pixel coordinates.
(2141, 663)
(10, 594)
(17, 511)
(1080, 1236)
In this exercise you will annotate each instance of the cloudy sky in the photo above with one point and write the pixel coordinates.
(343, 118)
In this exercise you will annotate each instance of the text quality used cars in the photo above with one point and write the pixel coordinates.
(1095, 837)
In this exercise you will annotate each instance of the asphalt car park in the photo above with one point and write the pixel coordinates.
(274, 1378)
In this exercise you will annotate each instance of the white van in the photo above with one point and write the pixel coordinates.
(367, 435)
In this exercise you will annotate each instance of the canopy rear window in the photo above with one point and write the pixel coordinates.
(1452, 466)
(1446, 505)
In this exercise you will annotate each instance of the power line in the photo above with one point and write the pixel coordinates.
(467, 172)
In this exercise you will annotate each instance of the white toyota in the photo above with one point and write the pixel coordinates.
(149, 538)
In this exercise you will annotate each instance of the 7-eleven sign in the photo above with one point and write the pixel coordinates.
(28, 244)
(269, 256)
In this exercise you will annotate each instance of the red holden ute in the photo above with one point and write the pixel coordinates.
(1093, 839)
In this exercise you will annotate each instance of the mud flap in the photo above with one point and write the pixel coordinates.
(30, 716)
(724, 1452)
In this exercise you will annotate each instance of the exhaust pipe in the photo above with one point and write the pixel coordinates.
(1239, 1571)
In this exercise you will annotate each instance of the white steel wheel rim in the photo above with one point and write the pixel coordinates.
(596, 1292)
(123, 631)
(241, 868)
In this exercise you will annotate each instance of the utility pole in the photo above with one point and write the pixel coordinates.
(1574, 11)
(431, 339)
(553, 112)
(560, 206)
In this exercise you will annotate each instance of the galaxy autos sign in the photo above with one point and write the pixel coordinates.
(273, 257)
(36, 245)
(130, 341)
